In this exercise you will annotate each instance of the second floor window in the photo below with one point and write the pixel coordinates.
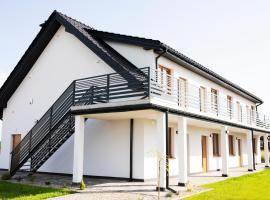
(202, 99)
(183, 92)
(214, 101)
(164, 78)
(229, 106)
(231, 147)
(215, 145)
(252, 113)
(239, 111)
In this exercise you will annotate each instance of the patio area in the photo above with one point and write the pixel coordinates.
(119, 189)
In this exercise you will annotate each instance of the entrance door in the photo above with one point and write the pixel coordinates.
(239, 153)
(204, 154)
(16, 139)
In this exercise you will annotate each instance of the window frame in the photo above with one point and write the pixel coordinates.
(216, 148)
(171, 143)
(231, 145)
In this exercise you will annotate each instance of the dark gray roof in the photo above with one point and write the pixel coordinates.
(190, 63)
(94, 40)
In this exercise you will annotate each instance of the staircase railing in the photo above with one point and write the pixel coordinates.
(57, 124)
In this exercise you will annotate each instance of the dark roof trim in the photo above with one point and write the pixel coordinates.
(177, 56)
(78, 29)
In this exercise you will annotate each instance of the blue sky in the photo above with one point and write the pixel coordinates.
(230, 37)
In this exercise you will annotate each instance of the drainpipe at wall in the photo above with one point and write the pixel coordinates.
(257, 105)
(167, 150)
(159, 55)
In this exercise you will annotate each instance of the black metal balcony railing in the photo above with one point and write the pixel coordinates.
(57, 124)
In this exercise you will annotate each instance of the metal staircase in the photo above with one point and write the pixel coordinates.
(58, 123)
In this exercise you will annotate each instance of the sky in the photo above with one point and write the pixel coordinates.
(229, 37)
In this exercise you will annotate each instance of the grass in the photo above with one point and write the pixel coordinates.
(248, 187)
(16, 191)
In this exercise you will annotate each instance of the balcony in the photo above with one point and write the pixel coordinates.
(165, 90)
(183, 95)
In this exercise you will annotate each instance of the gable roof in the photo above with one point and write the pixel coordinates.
(94, 40)
(178, 57)
(78, 29)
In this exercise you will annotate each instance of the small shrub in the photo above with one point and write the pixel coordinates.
(47, 183)
(169, 194)
(32, 178)
(140, 198)
(19, 178)
(189, 187)
(82, 185)
(6, 176)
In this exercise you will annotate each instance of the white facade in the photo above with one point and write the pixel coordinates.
(106, 149)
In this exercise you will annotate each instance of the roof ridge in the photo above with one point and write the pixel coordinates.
(77, 21)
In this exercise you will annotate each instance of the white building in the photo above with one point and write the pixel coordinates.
(86, 102)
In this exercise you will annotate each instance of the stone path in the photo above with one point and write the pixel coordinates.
(122, 190)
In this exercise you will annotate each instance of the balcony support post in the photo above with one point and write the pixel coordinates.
(225, 151)
(78, 150)
(182, 160)
(266, 150)
(250, 150)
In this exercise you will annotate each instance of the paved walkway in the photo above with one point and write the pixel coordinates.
(120, 190)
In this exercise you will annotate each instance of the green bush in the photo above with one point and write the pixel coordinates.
(263, 157)
(82, 185)
(169, 194)
(6, 176)
(47, 183)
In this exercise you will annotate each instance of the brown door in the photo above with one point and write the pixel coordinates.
(204, 154)
(16, 139)
(239, 153)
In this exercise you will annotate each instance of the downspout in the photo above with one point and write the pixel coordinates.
(131, 150)
(167, 156)
(159, 55)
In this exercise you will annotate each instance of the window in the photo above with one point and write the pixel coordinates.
(170, 152)
(231, 143)
(165, 78)
(248, 115)
(183, 92)
(202, 99)
(239, 111)
(254, 143)
(215, 145)
(214, 101)
(252, 114)
(229, 106)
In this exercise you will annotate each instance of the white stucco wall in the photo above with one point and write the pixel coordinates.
(63, 60)
(136, 55)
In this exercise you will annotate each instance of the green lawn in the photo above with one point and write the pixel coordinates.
(18, 191)
(252, 186)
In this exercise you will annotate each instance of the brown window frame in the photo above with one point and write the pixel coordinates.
(215, 140)
(169, 78)
(254, 145)
(170, 141)
(230, 106)
(183, 92)
(214, 100)
(202, 90)
(231, 145)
